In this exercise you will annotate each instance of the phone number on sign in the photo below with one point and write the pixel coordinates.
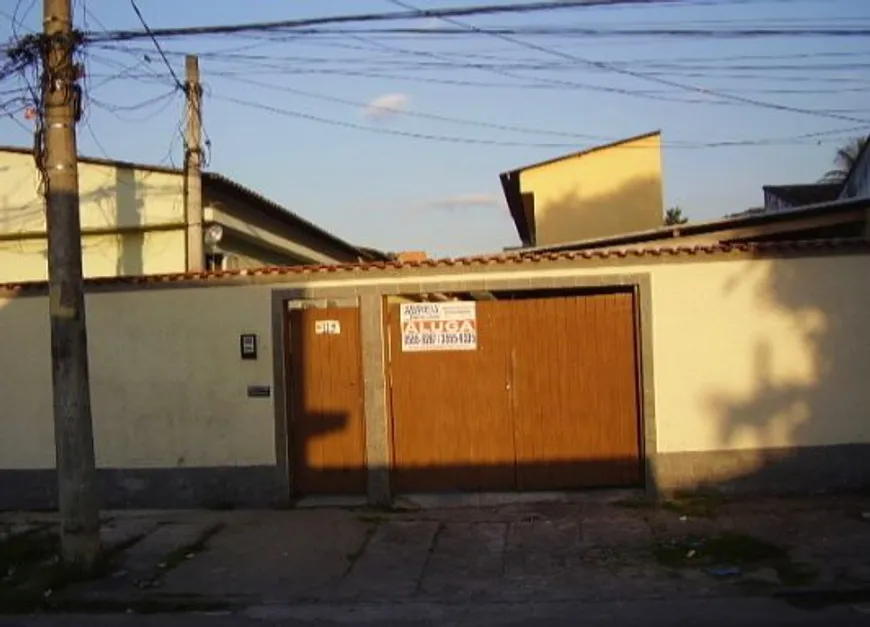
(440, 339)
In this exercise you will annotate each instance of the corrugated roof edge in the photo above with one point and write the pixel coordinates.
(665, 233)
(283, 213)
(771, 248)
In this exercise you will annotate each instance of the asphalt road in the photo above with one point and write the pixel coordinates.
(694, 612)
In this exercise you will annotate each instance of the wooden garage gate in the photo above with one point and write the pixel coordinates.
(547, 401)
(327, 432)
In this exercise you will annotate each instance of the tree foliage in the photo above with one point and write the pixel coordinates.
(844, 160)
(674, 216)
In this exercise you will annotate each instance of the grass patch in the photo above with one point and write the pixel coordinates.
(31, 575)
(21, 551)
(733, 549)
(822, 599)
(163, 605)
(703, 505)
(733, 555)
(795, 575)
(695, 506)
(635, 503)
(31, 570)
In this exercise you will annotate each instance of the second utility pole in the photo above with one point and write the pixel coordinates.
(73, 431)
(193, 167)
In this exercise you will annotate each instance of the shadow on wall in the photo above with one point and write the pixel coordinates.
(805, 413)
(323, 378)
(633, 206)
(120, 205)
(457, 427)
(789, 421)
(784, 412)
(129, 207)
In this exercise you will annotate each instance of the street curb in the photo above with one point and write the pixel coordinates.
(813, 598)
(168, 603)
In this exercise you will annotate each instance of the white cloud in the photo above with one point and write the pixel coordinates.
(386, 106)
(431, 24)
(464, 201)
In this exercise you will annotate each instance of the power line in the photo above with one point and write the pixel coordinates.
(488, 67)
(96, 140)
(494, 70)
(235, 53)
(11, 115)
(467, 11)
(387, 131)
(461, 60)
(418, 114)
(643, 76)
(487, 142)
(657, 95)
(551, 82)
(290, 64)
(682, 32)
(116, 110)
(139, 105)
(574, 31)
(178, 83)
(502, 127)
(139, 59)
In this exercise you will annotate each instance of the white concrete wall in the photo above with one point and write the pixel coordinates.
(747, 354)
(168, 386)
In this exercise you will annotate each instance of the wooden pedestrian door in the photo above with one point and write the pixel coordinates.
(327, 434)
(547, 400)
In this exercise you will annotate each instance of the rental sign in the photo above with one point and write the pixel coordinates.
(450, 326)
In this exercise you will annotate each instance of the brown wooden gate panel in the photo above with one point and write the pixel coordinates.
(574, 392)
(549, 400)
(451, 424)
(327, 433)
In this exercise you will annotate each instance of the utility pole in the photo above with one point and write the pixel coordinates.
(193, 167)
(73, 431)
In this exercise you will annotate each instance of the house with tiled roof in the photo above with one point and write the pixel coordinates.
(134, 223)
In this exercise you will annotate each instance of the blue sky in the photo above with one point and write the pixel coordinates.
(396, 192)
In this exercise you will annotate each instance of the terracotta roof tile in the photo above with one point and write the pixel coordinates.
(502, 259)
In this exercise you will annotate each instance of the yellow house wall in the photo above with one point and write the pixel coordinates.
(134, 201)
(747, 354)
(133, 224)
(604, 192)
(121, 254)
(109, 196)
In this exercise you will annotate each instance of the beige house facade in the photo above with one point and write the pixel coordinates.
(742, 370)
(604, 191)
(134, 223)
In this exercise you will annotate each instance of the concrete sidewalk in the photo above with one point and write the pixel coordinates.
(597, 550)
